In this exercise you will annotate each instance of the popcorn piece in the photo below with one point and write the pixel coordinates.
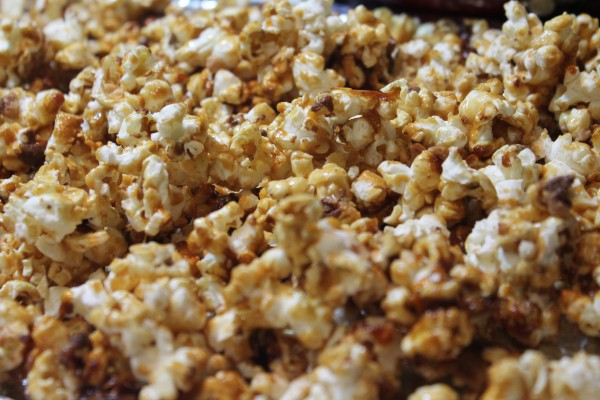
(435, 131)
(16, 322)
(310, 75)
(480, 107)
(439, 335)
(396, 175)
(62, 32)
(155, 312)
(533, 376)
(513, 171)
(156, 94)
(538, 243)
(331, 180)
(434, 392)
(369, 188)
(76, 56)
(579, 87)
(154, 209)
(458, 181)
(582, 310)
(44, 214)
(173, 124)
(419, 273)
(50, 382)
(227, 87)
(337, 379)
(565, 155)
(21, 44)
(196, 52)
(577, 122)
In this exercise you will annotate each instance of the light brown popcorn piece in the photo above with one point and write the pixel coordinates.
(533, 376)
(224, 385)
(434, 392)
(157, 310)
(582, 309)
(344, 371)
(423, 271)
(48, 381)
(439, 335)
(21, 44)
(16, 326)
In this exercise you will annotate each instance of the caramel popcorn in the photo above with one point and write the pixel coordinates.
(434, 392)
(534, 376)
(280, 201)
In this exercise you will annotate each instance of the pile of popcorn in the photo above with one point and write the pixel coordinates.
(284, 202)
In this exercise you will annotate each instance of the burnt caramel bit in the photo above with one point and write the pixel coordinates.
(555, 195)
(111, 390)
(547, 121)
(483, 150)
(73, 355)
(33, 154)
(465, 33)
(323, 101)
(235, 120)
(519, 318)
(506, 160)
(459, 234)
(265, 347)
(66, 305)
(331, 207)
(219, 200)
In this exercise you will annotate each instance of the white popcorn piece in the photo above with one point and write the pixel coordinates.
(579, 87)
(228, 87)
(310, 75)
(511, 174)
